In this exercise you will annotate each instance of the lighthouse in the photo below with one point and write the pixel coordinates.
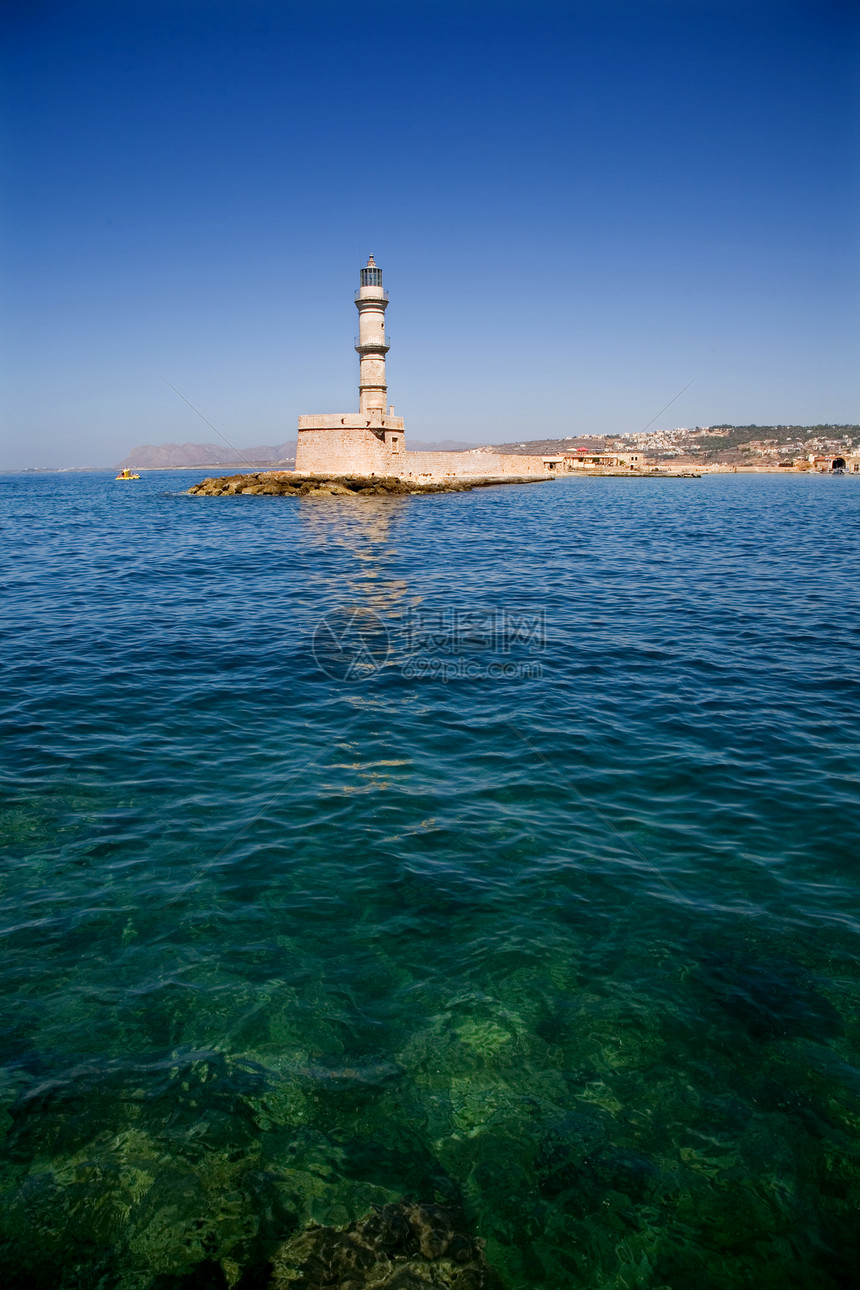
(371, 301)
(369, 442)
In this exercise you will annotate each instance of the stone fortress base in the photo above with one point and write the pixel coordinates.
(351, 444)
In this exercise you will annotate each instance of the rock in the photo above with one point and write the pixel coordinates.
(288, 484)
(403, 1246)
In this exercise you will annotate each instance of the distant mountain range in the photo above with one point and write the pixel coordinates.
(550, 447)
(166, 455)
(161, 457)
(438, 445)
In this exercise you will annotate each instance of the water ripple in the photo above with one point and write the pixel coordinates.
(576, 948)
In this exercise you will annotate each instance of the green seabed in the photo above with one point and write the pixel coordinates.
(573, 958)
(606, 1110)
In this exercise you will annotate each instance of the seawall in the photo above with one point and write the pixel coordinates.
(351, 445)
(446, 465)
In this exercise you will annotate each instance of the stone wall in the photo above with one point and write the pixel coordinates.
(356, 445)
(329, 445)
(336, 420)
(448, 465)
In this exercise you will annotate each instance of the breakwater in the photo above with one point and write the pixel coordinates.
(290, 484)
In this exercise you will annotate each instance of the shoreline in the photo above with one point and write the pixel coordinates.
(686, 472)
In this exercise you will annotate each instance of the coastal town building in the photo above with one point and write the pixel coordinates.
(838, 461)
(581, 460)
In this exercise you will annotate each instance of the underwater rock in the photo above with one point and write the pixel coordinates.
(207, 1275)
(770, 998)
(403, 1246)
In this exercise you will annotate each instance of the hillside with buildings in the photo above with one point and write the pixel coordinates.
(749, 445)
(718, 445)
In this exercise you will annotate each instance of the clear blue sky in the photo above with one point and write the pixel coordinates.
(578, 206)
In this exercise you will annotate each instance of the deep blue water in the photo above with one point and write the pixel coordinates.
(526, 879)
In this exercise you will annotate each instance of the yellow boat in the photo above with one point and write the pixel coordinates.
(126, 474)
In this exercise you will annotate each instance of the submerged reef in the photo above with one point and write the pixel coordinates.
(400, 1246)
(288, 484)
(403, 1246)
(558, 1113)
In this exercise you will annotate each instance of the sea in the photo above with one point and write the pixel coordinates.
(494, 850)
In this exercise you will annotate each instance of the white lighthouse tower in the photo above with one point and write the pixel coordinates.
(371, 300)
(371, 441)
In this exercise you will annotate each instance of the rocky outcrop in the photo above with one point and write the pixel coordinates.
(288, 484)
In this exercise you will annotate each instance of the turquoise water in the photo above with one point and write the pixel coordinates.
(555, 919)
